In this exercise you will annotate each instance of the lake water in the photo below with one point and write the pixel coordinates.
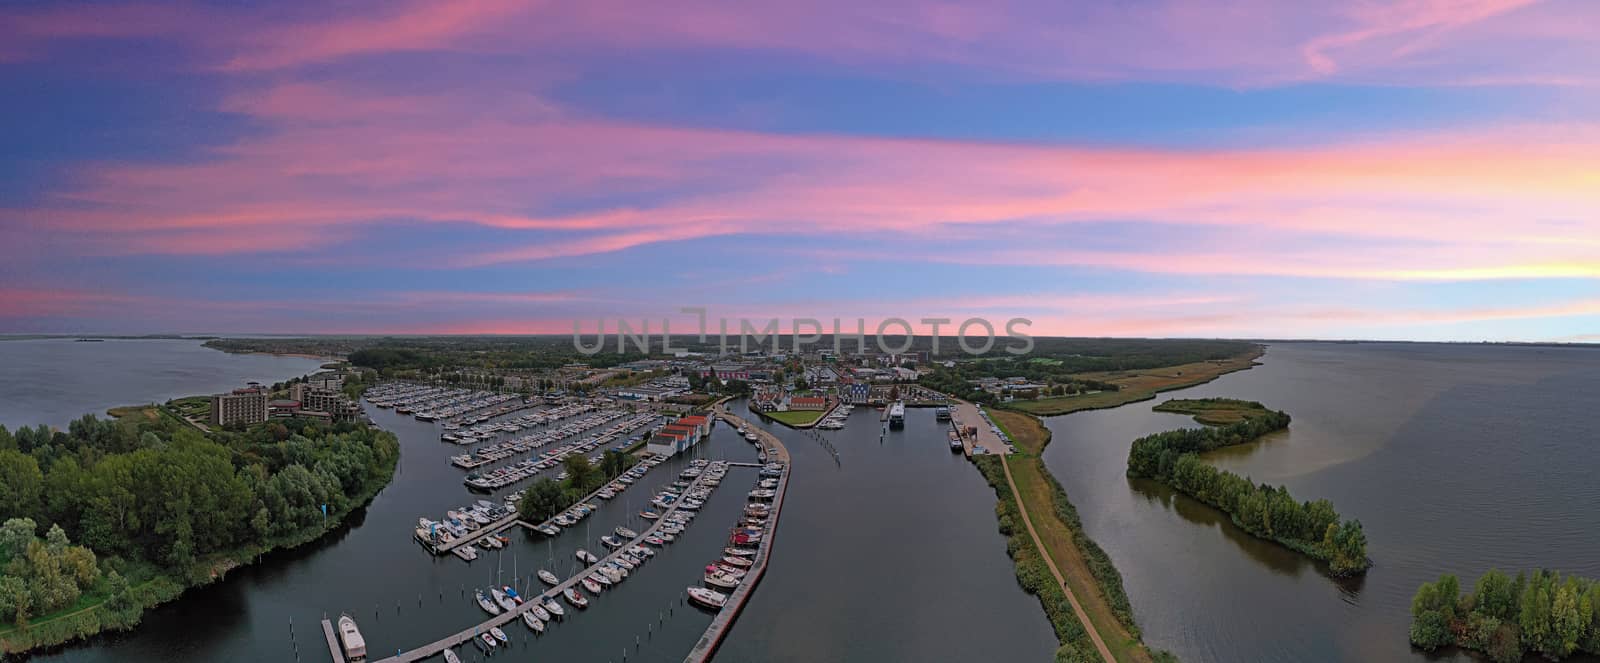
(53, 381)
(1455, 459)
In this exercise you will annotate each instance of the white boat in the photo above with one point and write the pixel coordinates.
(587, 557)
(533, 622)
(626, 533)
(592, 586)
(504, 601)
(539, 611)
(554, 608)
(487, 605)
(707, 598)
(721, 581)
(355, 647)
(450, 656)
(575, 598)
(736, 560)
(549, 578)
(498, 634)
(600, 578)
(611, 542)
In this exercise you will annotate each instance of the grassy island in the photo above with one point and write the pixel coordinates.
(795, 418)
(1173, 458)
(1508, 618)
(133, 511)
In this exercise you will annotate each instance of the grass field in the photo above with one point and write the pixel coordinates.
(1213, 411)
(795, 417)
(1037, 490)
(1136, 385)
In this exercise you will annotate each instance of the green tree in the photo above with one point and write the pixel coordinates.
(580, 474)
(1494, 596)
(16, 602)
(21, 484)
(1430, 630)
(542, 501)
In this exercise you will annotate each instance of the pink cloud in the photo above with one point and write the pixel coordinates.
(1513, 202)
(1225, 42)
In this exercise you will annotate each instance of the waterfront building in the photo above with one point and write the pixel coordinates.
(240, 406)
(318, 402)
(808, 403)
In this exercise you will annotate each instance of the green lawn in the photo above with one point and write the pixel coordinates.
(795, 417)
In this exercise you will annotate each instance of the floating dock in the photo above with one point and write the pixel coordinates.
(333, 642)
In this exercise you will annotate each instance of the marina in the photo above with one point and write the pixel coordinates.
(566, 589)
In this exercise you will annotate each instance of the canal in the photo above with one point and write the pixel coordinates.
(888, 552)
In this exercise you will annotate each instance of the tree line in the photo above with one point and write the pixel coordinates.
(150, 499)
(548, 497)
(1506, 618)
(1313, 528)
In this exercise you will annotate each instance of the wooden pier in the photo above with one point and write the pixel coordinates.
(438, 646)
(333, 642)
(718, 629)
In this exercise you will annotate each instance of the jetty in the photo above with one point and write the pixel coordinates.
(466, 635)
(333, 642)
(718, 629)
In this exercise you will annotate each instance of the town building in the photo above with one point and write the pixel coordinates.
(679, 435)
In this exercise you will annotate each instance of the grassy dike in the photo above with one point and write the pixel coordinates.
(1088, 571)
(98, 611)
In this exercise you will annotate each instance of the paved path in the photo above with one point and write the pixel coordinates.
(1077, 608)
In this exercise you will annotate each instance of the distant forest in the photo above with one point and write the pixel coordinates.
(1050, 356)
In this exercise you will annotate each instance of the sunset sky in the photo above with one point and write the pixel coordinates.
(1419, 170)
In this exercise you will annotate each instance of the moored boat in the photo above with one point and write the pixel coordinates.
(533, 622)
(355, 647)
(548, 578)
(487, 605)
(576, 598)
(498, 634)
(554, 608)
(707, 598)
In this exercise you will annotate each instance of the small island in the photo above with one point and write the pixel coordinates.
(1507, 618)
(1173, 458)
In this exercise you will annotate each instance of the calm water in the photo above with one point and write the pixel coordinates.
(1454, 458)
(889, 555)
(892, 553)
(57, 380)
